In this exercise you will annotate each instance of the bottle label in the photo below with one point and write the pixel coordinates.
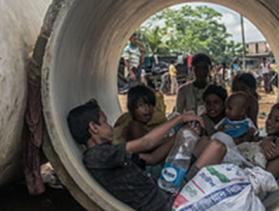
(172, 174)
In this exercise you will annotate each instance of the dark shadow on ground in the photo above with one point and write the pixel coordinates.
(16, 198)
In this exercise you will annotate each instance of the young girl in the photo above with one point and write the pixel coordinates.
(156, 116)
(214, 98)
(141, 103)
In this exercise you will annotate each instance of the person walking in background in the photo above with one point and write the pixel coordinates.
(173, 79)
(266, 72)
(133, 58)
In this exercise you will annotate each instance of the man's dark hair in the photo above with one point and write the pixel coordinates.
(217, 90)
(79, 119)
(201, 60)
(140, 92)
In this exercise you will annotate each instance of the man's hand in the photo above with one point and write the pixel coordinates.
(132, 75)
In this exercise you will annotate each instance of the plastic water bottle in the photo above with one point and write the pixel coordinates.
(178, 161)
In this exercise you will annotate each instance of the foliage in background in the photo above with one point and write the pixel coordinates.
(189, 30)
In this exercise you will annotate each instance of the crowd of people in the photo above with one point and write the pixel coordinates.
(127, 159)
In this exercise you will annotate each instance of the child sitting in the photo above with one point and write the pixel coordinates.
(141, 105)
(137, 96)
(236, 123)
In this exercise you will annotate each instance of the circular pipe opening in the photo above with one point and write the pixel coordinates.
(81, 62)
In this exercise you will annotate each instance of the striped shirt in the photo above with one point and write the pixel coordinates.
(132, 54)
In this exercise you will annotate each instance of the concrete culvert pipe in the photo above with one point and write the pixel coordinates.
(19, 27)
(81, 61)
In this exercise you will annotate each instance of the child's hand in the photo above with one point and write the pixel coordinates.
(194, 126)
(250, 135)
(269, 148)
(221, 128)
(191, 118)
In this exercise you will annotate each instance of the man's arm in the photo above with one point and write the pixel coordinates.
(155, 137)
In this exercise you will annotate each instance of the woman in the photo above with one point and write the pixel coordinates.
(246, 82)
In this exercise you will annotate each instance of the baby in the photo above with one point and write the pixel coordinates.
(236, 123)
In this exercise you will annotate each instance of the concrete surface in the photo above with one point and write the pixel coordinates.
(19, 27)
(81, 62)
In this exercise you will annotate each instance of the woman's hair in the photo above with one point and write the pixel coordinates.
(275, 106)
(246, 79)
(140, 92)
(79, 119)
(201, 60)
(217, 90)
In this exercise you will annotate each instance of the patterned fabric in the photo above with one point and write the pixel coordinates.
(117, 171)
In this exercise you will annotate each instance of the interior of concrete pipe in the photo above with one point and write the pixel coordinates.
(19, 27)
(80, 63)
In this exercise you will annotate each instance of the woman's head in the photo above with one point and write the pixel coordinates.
(214, 98)
(201, 64)
(272, 122)
(244, 82)
(140, 103)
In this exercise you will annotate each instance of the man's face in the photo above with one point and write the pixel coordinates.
(105, 131)
(201, 73)
(133, 39)
(214, 105)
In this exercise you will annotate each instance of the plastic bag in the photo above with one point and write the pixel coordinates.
(225, 187)
(233, 155)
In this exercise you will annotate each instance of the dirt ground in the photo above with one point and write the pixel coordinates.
(266, 102)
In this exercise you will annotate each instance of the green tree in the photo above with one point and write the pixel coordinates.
(190, 30)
